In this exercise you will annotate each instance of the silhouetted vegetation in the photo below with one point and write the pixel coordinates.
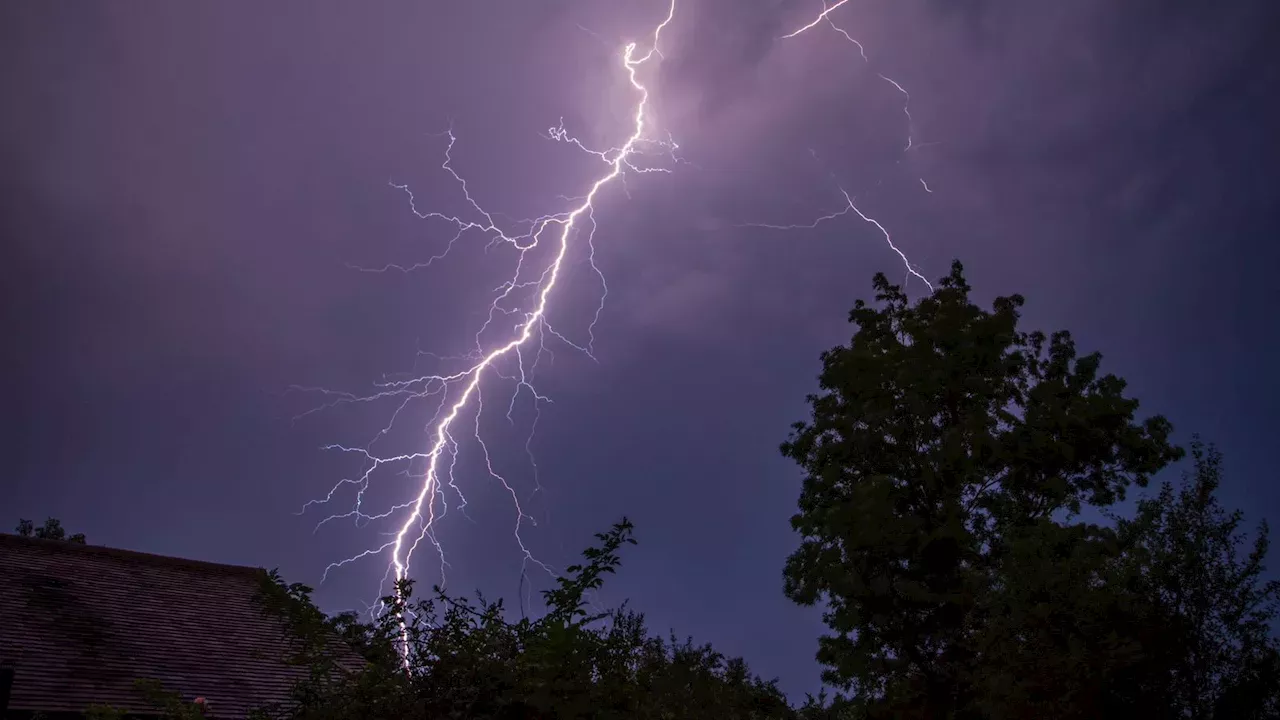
(947, 460)
(51, 530)
(448, 657)
(950, 461)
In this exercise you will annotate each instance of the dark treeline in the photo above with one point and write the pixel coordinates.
(949, 463)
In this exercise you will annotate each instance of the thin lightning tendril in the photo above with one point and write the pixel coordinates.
(850, 206)
(825, 16)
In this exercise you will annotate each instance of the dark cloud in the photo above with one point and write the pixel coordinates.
(717, 50)
(184, 185)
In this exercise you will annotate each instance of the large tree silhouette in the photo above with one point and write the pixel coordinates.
(943, 444)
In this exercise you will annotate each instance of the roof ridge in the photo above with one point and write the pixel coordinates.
(63, 546)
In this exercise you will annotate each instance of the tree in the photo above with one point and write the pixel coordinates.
(1182, 551)
(51, 530)
(1063, 632)
(942, 445)
(448, 657)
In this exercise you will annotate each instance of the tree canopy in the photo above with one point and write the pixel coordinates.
(947, 462)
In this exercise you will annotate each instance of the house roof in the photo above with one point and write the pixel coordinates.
(81, 624)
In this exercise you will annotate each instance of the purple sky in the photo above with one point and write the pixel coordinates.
(184, 185)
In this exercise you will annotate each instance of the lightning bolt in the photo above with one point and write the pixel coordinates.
(825, 16)
(518, 314)
(458, 394)
(850, 206)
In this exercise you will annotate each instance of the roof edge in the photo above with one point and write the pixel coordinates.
(64, 547)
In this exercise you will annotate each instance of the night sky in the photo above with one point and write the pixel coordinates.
(186, 187)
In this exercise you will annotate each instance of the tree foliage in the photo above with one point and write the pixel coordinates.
(449, 657)
(1182, 552)
(947, 461)
(51, 530)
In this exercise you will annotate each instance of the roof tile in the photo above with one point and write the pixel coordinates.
(82, 623)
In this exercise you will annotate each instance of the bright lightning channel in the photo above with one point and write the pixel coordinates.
(458, 396)
(459, 393)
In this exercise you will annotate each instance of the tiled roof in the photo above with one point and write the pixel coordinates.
(80, 624)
